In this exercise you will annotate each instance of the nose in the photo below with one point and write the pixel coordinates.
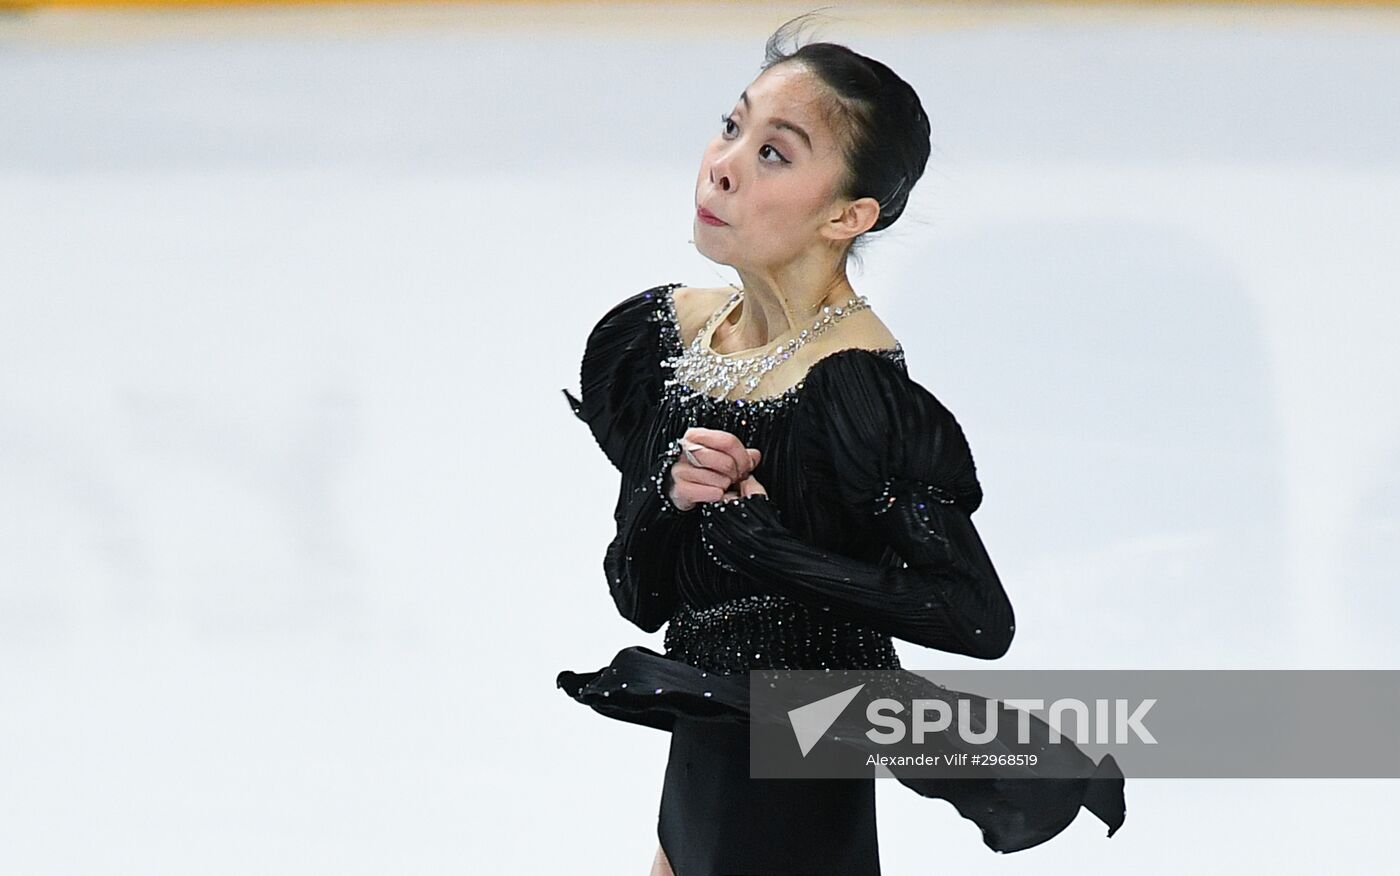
(721, 174)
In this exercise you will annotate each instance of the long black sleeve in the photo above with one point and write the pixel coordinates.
(620, 381)
(904, 473)
(946, 596)
(641, 561)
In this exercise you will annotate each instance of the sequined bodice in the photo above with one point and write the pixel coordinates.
(726, 622)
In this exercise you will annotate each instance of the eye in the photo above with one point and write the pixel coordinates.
(767, 153)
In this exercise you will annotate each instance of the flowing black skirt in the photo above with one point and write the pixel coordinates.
(710, 805)
(716, 821)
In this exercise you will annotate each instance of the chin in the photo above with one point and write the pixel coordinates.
(706, 247)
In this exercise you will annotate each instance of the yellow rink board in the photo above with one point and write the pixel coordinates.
(68, 22)
(856, 9)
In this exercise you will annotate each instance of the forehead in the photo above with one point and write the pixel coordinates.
(790, 93)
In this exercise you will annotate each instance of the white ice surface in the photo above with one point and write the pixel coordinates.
(296, 527)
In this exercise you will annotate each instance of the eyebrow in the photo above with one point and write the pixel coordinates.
(781, 123)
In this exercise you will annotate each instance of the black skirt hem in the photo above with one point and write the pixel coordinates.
(1014, 809)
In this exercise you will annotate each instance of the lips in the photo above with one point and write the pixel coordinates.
(707, 217)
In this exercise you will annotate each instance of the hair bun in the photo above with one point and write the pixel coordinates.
(886, 129)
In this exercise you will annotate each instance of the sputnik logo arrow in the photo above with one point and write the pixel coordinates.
(809, 722)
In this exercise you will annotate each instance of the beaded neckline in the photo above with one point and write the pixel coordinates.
(671, 327)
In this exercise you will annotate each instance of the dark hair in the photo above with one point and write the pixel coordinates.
(877, 116)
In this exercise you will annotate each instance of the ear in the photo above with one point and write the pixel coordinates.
(853, 219)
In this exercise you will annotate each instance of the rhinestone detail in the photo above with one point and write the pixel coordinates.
(660, 477)
(916, 501)
(677, 391)
(767, 631)
(932, 494)
(699, 363)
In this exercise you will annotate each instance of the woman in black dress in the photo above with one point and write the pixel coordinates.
(791, 498)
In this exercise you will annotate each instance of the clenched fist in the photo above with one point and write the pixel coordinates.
(725, 469)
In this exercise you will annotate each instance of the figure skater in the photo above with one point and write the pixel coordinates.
(791, 497)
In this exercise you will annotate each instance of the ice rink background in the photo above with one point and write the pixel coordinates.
(296, 527)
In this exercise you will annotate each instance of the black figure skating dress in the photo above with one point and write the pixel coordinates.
(865, 535)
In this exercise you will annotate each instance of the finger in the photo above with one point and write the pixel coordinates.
(697, 493)
(697, 455)
(687, 473)
(751, 487)
(715, 460)
(725, 443)
(722, 446)
(754, 456)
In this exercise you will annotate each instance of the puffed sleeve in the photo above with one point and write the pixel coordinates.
(620, 381)
(905, 476)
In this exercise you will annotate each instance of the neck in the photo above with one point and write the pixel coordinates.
(776, 306)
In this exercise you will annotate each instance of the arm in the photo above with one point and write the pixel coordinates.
(620, 379)
(904, 476)
(641, 561)
(947, 596)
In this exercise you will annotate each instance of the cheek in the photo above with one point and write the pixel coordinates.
(791, 202)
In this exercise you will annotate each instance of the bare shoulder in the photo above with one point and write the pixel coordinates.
(694, 306)
(863, 329)
(866, 329)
